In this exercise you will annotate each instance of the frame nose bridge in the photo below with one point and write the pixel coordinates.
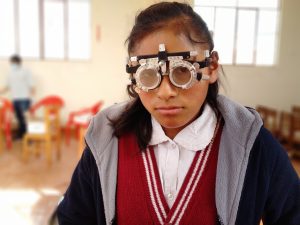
(164, 68)
(166, 89)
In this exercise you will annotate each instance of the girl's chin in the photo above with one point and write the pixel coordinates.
(173, 126)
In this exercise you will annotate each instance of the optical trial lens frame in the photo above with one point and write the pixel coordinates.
(164, 56)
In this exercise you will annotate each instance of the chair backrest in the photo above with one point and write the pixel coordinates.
(79, 118)
(296, 109)
(289, 126)
(269, 117)
(51, 100)
(51, 106)
(95, 108)
(295, 124)
(284, 128)
(6, 109)
(6, 117)
(84, 114)
(52, 118)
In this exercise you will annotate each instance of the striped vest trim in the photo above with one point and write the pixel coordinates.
(140, 198)
(187, 190)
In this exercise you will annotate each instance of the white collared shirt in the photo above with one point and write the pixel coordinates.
(20, 82)
(174, 157)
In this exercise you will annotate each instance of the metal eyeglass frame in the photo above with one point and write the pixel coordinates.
(161, 61)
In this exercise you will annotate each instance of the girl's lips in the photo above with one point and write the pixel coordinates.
(169, 110)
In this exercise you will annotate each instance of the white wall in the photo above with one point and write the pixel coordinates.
(103, 77)
(277, 86)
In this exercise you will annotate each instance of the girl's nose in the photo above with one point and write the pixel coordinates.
(166, 89)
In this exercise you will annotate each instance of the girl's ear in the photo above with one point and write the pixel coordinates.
(213, 67)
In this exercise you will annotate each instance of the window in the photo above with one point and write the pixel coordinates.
(54, 33)
(244, 31)
(45, 29)
(7, 21)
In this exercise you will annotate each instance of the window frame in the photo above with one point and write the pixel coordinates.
(257, 11)
(41, 34)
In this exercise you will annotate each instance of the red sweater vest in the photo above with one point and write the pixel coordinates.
(140, 198)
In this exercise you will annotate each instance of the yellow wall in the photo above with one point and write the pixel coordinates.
(103, 77)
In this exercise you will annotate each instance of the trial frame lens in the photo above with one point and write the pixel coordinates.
(181, 74)
(147, 76)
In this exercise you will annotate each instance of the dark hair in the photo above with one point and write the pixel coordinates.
(182, 19)
(15, 59)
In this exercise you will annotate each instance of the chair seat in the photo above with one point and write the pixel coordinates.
(36, 127)
(82, 119)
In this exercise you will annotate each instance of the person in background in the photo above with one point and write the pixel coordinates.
(21, 87)
(178, 152)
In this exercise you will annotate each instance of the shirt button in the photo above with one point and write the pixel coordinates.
(173, 145)
(170, 196)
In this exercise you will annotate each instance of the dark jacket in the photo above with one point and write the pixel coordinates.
(255, 178)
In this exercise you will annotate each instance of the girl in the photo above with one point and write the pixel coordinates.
(177, 152)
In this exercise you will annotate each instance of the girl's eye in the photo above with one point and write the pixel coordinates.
(148, 77)
(181, 75)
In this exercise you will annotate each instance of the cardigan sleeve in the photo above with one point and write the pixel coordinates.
(271, 188)
(283, 199)
(82, 202)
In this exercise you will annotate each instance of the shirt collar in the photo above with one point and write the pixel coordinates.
(196, 136)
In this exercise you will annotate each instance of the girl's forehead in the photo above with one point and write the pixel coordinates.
(173, 43)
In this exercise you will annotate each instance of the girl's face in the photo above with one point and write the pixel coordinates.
(174, 108)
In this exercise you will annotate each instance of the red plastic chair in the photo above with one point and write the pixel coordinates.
(80, 119)
(47, 101)
(6, 116)
(46, 128)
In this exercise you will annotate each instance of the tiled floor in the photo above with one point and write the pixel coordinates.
(30, 191)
